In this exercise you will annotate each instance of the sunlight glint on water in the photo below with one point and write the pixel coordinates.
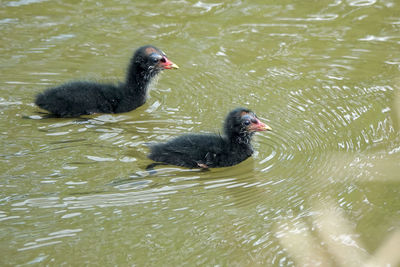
(323, 76)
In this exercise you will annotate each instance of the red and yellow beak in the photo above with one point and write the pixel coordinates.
(168, 64)
(259, 126)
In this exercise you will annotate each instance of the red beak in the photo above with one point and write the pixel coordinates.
(167, 64)
(259, 126)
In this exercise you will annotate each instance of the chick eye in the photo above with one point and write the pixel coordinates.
(246, 122)
(155, 60)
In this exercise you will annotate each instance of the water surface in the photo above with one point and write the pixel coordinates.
(324, 75)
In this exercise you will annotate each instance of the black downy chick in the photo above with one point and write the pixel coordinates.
(211, 150)
(77, 98)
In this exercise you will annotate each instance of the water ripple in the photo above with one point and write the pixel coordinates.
(321, 75)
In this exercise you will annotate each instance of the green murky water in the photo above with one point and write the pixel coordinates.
(323, 74)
